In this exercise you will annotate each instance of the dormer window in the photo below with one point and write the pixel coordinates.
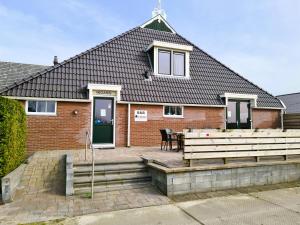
(179, 63)
(164, 62)
(170, 60)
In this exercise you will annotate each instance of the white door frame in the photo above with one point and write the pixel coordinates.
(104, 145)
(109, 91)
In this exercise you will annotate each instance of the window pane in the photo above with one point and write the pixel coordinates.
(31, 106)
(164, 62)
(41, 106)
(179, 111)
(51, 107)
(167, 108)
(244, 112)
(231, 112)
(173, 110)
(178, 64)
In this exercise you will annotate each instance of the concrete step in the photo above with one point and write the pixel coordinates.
(110, 167)
(113, 182)
(110, 162)
(80, 173)
(111, 187)
(111, 177)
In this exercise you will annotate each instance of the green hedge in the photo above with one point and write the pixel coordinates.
(12, 135)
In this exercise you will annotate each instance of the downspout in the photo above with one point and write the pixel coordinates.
(282, 112)
(225, 118)
(128, 125)
(225, 112)
(251, 117)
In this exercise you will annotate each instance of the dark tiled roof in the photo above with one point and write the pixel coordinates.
(13, 72)
(123, 61)
(292, 102)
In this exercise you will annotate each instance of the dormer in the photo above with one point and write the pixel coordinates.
(170, 59)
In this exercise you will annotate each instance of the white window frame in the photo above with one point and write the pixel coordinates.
(41, 113)
(174, 116)
(172, 51)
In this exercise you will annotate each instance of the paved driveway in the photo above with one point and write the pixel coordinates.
(273, 207)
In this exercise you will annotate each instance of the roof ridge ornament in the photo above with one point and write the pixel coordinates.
(159, 11)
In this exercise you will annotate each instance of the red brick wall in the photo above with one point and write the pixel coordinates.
(67, 131)
(266, 118)
(147, 133)
(122, 125)
(64, 131)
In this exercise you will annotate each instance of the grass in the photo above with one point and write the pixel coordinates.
(50, 222)
(87, 195)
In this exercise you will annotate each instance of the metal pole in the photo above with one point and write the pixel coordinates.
(128, 124)
(93, 171)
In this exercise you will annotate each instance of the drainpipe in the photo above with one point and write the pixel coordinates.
(225, 117)
(251, 117)
(282, 125)
(282, 112)
(128, 125)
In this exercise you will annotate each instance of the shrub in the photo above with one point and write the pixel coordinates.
(12, 135)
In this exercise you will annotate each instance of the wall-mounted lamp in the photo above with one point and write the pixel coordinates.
(75, 112)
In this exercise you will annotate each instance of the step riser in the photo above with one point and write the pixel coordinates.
(110, 164)
(99, 189)
(107, 183)
(111, 177)
(119, 172)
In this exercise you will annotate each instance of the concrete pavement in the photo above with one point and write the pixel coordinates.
(273, 207)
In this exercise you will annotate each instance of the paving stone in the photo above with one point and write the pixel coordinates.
(43, 195)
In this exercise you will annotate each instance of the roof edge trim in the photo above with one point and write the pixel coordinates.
(47, 99)
(173, 104)
(169, 45)
(159, 17)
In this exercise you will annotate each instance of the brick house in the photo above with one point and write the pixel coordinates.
(125, 89)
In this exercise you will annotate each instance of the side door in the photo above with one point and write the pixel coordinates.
(103, 121)
(238, 115)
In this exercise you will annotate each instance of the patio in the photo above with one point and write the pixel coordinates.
(168, 158)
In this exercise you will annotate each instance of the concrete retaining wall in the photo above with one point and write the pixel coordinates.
(10, 183)
(176, 181)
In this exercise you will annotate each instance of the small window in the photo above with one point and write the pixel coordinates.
(41, 108)
(173, 111)
(178, 64)
(164, 62)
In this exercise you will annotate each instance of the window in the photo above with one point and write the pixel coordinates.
(178, 64)
(172, 62)
(41, 108)
(164, 62)
(170, 59)
(173, 111)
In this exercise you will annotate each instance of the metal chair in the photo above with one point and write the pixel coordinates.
(166, 139)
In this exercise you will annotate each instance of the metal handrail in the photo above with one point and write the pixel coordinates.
(88, 139)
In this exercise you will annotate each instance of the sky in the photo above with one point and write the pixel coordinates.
(259, 39)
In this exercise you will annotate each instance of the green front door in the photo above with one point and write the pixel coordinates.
(103, 121)
(238, 115)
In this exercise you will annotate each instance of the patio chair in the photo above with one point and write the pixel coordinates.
(166, 139)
